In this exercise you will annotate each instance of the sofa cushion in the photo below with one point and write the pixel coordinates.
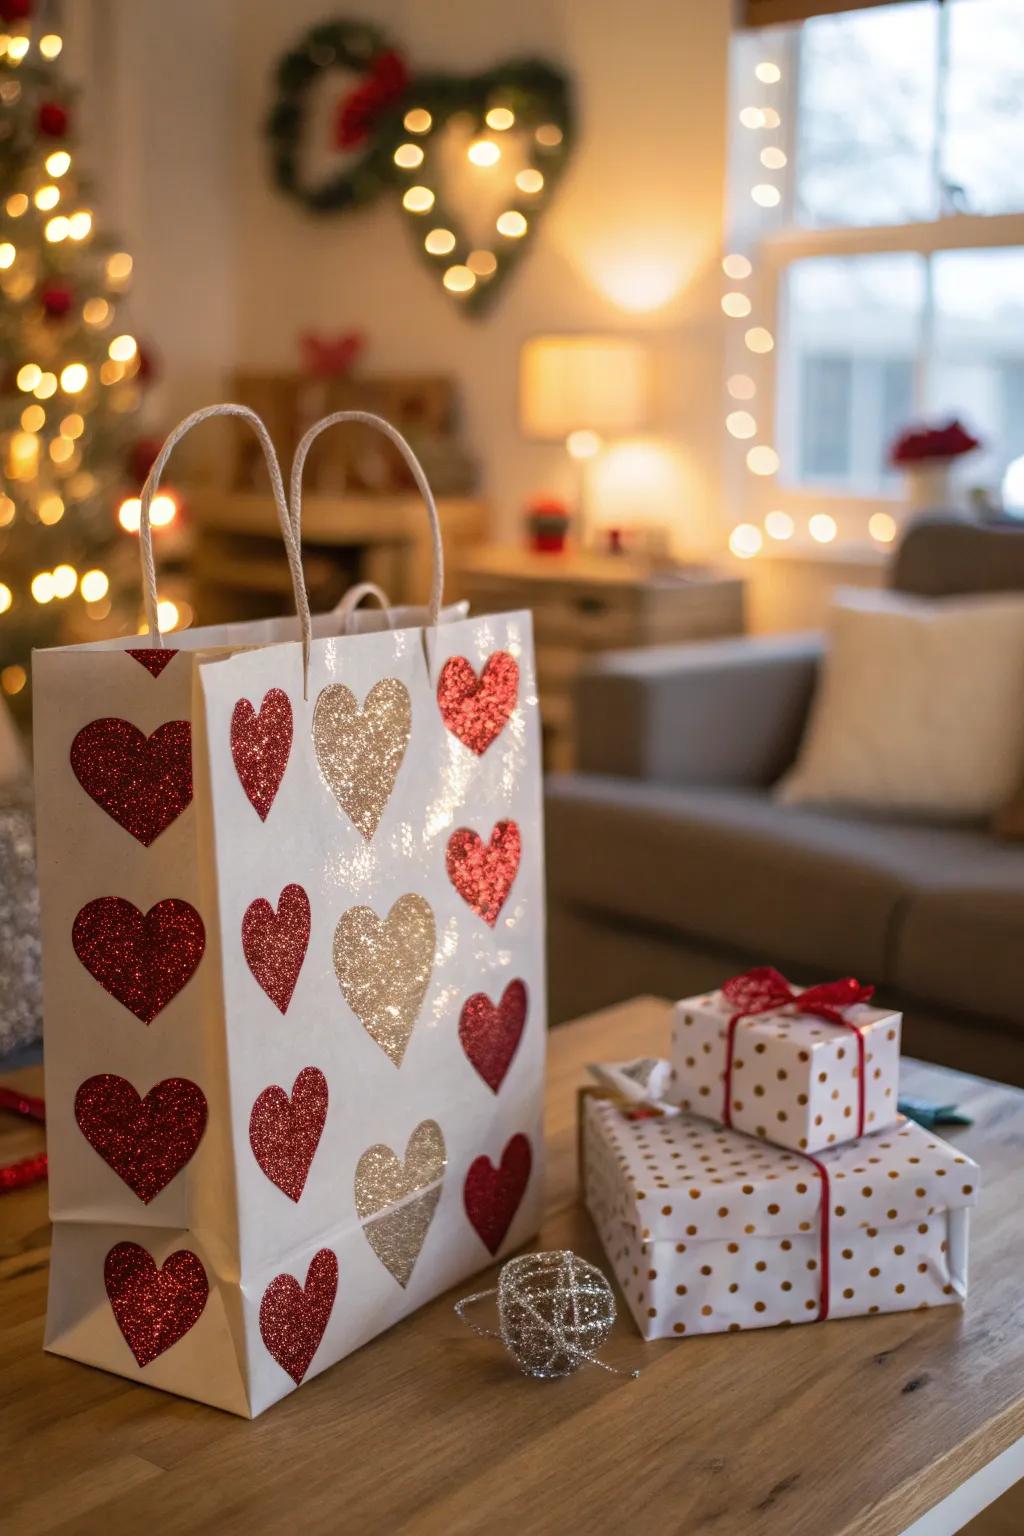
(838, 894)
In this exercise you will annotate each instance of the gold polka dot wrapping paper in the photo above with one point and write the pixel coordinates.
(712, 1231)
(794, 1077)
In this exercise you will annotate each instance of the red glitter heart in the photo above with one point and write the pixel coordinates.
(274, 944)
(142, 782)
(490, 1033)
(477, 709)
(293, 1318)
(492, 1195)
(141, 958)
(153, 657)
(260, 744)
(154, 1307)
(146, 1141)
(483, 873)
(284, 1134)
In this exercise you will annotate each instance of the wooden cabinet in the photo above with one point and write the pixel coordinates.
(587, 603)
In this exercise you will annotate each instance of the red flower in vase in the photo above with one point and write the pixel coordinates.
(919, 444)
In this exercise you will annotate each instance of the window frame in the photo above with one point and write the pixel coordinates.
(776, 241)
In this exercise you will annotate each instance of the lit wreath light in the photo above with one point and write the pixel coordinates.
(391, 123)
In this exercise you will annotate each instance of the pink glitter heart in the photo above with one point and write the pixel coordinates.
(474, 709)
(483, 873)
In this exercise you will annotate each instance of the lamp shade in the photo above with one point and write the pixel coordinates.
(573, 383)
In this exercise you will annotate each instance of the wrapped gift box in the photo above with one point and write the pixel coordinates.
(709, 1230)
(795, 1078)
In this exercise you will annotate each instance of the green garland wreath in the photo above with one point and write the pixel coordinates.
(536, 93)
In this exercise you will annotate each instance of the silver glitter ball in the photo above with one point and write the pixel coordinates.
(21, 1000)
(555, 1311)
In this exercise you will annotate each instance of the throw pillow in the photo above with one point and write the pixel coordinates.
(920, 707)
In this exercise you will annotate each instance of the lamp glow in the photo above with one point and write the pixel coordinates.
(779, 525)
(32, 418)
(482, 263)
(758, 339)
(822, 528)
(765, 195)
(737, 267)
(752, 117)
(773, 159)
(583, 444)
(745, 541)
(740, 424)
(736, 305)
(762, 460)
(741, 386)
(882, 527)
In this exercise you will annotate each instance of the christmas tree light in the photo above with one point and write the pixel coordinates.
(70, 375)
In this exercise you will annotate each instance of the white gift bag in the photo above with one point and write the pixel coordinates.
(293, 924)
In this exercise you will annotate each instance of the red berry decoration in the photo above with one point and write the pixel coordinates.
(53, 119)
(15, 10)
(56, 299)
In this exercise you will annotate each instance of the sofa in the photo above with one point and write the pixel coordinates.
(671, 866)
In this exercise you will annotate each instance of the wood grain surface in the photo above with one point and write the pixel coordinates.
(851, 1428)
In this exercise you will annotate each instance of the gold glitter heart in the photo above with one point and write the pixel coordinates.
(360, 750)
(396, 1201)
(383, 967)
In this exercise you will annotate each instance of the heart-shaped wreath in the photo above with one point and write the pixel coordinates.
(397, 130)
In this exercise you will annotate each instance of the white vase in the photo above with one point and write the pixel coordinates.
(930, 486)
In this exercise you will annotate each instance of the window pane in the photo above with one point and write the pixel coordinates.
(846, 380)
(978, 354)
(865, 137)
(984, 153)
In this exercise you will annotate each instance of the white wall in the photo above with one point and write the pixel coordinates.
(230, 272)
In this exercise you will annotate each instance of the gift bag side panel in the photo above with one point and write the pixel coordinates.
(130, 1103)
(299, 1009)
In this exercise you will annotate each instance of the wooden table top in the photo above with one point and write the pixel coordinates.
(853, 1428)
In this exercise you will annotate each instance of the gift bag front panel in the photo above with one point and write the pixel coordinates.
(117, 840)
(381, 930)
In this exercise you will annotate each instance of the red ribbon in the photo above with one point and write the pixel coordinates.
(29, 1170)
(765, 990)
(358, 111)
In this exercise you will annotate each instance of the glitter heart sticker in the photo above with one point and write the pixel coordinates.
(483, 873)
(492, 1195)
(260, 747)
(477, 709)
(396, 1199)
(142, 782)
(153, 657)
(285, 1133)
(360, 750)
(275, 943)
(141, 958)
(490, 1032)
(146, 1141)
(384, 967)
(294, 1318)
(154, 1307)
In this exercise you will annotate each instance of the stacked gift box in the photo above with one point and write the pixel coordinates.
(764, 1175)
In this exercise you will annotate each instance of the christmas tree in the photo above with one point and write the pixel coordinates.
(71, 374)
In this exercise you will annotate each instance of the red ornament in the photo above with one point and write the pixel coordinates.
(142, 782)
(145, 1141)
(492, 1195)
(15, 10)
(476, 709)
(490, 1033)
(141, 958)
(483, 873)
(919, 444)
(56, 300)
(365, 103)
(141, 458)
(285, 1133)
(149, 368)
(274, 943)
(260, 745)
(53, 119)
(330, 357)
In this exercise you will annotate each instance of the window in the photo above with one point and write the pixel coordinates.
(877, 177)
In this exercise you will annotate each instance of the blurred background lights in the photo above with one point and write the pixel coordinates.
(7, 255)
(50, 509)
(752, 117)
(768, 73)
(530, 181)
(417, 120)
(583, 444)
(123, 348)
(758, 339)
(440, 242)
(50, 45)
(822, 528)
(745, 541)
(459, 279)
(65, 580)
(762, 460)
(736, 305)
(500, 119)
(741, 386)
(74, 378)
(779, 525)
(42, 587)
(511, 224)
(418, 200)
(737, 267)
(59, 163)
(882, 527)
(765, 195)
(484, 152)
(167, 614)
(56, 229)
(6, 597)
(408, 156)
(740, 424)
(773, 159)
(94, 585)
(29, 375)
(13, 679)
(47, 197)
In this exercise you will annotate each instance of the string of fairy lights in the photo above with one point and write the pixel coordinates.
(46, 466)
(485, 152)
(747, 539)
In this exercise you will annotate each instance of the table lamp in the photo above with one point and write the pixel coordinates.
(581, 389)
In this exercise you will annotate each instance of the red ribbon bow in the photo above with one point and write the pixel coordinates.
(29, 1170)
(359, 110)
